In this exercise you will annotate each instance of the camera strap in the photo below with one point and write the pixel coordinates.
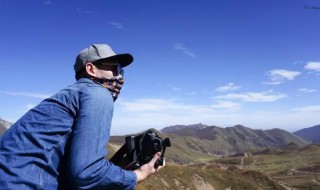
(126, 156)
(118, 156)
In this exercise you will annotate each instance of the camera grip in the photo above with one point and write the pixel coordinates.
(159, 162)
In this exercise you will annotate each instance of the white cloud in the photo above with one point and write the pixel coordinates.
(176, 89)
(30, 106)
(287, 120)
(27, 94)
(229, 87)
(46, 2)
(173, 88)
(308, 109)
(273, 83)
(173, 107)
(183, 49)
(82, 11)
(314, 66)
(277, 76)
(307, 90)
(226, 105)
(156, 105)
(267, 96)
(118, 25)
(141, 114)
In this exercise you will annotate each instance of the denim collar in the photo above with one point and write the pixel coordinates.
(85, 80)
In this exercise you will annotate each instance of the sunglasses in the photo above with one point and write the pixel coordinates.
(119, 70)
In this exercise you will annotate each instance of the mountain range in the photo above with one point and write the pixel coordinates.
(232, 139)
(311, 134)
(4, 125)
(198, 142)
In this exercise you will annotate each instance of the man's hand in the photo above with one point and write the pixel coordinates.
(148, 169)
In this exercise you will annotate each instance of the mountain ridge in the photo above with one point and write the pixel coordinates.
(311, 134)
(4, 125)
(234, 139)
(177, 127)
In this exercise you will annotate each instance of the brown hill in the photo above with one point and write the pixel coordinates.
(286, 167)
(177, 177)
(233, 139)
(200, 143)
(289, 167)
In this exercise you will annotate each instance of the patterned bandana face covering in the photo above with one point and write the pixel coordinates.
(113, 84)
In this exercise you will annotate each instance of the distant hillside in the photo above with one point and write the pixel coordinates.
(217, 140)
(199, 143)
(185, 127)
(311, 134)
(4, 125)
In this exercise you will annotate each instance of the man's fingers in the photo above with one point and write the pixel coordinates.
(163, 164)
(155, 158)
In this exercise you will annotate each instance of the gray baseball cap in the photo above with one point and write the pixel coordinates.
(100, 52)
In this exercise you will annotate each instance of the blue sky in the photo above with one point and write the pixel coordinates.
(226, 62)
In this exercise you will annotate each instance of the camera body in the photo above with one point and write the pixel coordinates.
(140, 149)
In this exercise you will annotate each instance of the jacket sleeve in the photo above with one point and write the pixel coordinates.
(88, 167)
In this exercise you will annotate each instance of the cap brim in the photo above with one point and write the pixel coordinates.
(124, 59)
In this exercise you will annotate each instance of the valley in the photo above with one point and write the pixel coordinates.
(294, 169)
(212, 163)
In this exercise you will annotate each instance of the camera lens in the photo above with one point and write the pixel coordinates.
(167, 142)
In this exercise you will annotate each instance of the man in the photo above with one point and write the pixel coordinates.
(61, 143)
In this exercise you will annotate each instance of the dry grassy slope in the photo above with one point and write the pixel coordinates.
(293, 167)
(289, 167)
(273, 161)
(185, 177)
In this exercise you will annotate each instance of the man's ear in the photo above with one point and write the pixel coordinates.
(91, 69)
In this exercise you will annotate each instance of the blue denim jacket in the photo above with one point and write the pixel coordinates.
(61, 144)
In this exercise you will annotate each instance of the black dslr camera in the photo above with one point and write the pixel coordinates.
(139, 150)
